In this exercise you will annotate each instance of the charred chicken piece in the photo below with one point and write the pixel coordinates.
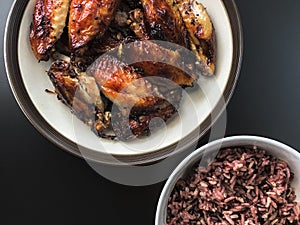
(121, 84)
(138, 100)
(155, 60)
(201, 33)
(165, 21)
(118, 32)
(89, 19)
(80, 92)
(49, 20)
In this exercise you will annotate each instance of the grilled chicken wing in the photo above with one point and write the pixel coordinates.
(201, 33)
(89, 19)
(165, 21)
(137, 99)
(156, 60)
(121, 84)
(119, 31)
(81, 93)
(49, 20)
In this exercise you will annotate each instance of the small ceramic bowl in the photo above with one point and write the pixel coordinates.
(277, 149)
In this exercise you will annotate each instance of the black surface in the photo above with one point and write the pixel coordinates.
(40, 184)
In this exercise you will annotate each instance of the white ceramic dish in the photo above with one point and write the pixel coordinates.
(57, 123)
(277, 149)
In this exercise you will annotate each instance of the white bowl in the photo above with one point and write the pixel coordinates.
(277, 149)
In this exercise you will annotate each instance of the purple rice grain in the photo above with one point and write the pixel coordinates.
(243, 186)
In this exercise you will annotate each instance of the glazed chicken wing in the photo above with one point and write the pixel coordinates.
(138, 100)
(88, 19)
(161, 61)
(80, 93)
(201, 33)
(121, 84)
(165, 21)
(49, 20)
(125, 27)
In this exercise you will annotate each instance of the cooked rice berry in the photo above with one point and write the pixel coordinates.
(241, 186)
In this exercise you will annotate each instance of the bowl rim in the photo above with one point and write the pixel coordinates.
(194, 156)
(11, 37)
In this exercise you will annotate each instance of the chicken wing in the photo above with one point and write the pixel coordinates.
(136, 98)
(80, 93)
(161, 61)
(49, 20)
(89, 19)
(118, 32)
(201, 33)
(121, 84)
(165, 21)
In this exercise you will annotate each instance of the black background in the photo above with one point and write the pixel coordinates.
(41, 184)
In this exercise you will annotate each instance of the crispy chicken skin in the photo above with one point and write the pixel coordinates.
(161, 61)
(201, 33)
(121, 84)
(49, 20)
(88, 19)
(138, 100)
(80, 93)
(123, 29)
(165, 21)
